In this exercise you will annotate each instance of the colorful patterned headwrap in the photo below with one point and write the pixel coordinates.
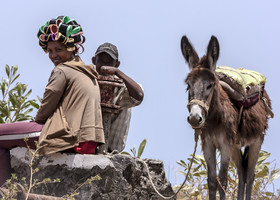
(62, 29)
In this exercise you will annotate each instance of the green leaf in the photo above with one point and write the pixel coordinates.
(4, 110)
(183, 173)
(25, 104)
(263, 173)
(40, 99)
(133, 150)
(8, 120)
(3, 89)
(23, 88)
(28, 111)
(15, 78)
(23, 118)
(200, 157)
(263, 156)
(13, 99)
(28, 93)
(269, 194)
(125, 153)
(1, 120)
(182, 163)
(194, 161)
(274, 175)
(14, 70)
(7, 70)
(275, 171)
(196, 168)
(141, 148)
(34, 104)
(19, 89)
(202, 173)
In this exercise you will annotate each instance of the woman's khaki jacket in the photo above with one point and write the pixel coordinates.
(70, 108)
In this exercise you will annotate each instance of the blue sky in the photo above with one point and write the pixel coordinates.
(147, 34)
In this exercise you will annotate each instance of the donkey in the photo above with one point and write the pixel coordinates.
(213, 112)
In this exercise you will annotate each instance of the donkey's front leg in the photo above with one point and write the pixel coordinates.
(226, 151)
(210, 157)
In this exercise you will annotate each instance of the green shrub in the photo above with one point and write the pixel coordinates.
(14, 104)
(196, 186)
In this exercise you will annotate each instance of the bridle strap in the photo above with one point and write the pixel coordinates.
(204, 104)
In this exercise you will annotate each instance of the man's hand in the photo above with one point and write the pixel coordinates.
(108, 70)
(133, 88)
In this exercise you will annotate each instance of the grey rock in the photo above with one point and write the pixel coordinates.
(122, 176)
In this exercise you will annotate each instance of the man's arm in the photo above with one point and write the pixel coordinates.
(133, 88)
(52, 95)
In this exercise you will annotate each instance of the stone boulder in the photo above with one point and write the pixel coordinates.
(122, 176)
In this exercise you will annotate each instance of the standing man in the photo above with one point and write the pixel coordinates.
(129, 95)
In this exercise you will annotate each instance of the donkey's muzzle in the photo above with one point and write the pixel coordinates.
(197, 115)
(195, 120)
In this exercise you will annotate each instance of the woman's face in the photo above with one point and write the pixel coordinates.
(58, 52)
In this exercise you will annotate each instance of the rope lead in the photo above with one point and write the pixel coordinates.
(197, 132)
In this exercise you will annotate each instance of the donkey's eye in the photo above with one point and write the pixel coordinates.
(209, 86)
(188, 87)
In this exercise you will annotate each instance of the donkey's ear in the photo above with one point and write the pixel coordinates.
(189, 53)
(213, 51)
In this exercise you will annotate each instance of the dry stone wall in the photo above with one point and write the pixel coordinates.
(122, 177)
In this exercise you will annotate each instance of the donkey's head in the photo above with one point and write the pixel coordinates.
(201, 80)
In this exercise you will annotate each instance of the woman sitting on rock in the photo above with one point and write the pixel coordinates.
(70, 108)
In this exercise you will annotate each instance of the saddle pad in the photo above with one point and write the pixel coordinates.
(20, 128)
(246, 82)
(20, 136)
(247, 103)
